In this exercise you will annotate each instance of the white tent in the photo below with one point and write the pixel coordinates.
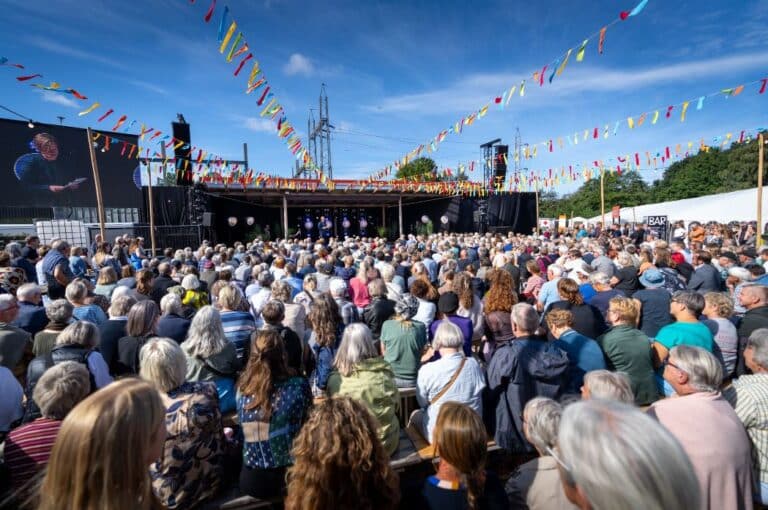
(723, 207)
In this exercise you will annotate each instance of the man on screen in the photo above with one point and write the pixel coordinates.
(41, 170)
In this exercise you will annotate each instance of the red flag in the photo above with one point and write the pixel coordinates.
(764, 82)
(109, 112)
(550, 146)
(208, 14)
(637, 159)
(76, 94)
(596, 134)
(29, 77)
(669, 111)
(667, 152)
(601, 43)
(242, 63)
(541, 76)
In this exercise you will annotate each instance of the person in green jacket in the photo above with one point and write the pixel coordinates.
(361, 373)
(628, 350)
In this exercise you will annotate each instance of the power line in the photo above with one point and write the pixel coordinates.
(29, 119)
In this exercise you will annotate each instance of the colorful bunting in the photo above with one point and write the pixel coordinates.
(89, 109)
(601, 42)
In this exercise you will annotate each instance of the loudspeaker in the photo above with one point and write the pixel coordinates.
(500, 163)
(207, 219)
(183, 154)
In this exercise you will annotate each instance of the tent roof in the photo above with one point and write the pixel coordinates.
(723, 207)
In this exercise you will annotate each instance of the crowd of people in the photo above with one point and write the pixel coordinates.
(619, 370)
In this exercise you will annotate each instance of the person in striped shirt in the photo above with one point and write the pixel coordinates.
(28, 447)
(238, 325)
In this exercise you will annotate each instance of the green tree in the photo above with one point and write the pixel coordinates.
(705, 173)
(421, 168)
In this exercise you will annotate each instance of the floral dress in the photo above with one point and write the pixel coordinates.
(189, 471)
(11, 278)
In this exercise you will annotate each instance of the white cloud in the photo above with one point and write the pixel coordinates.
(299, 64)
(149, 86)
(475, 90)
(59, 98)
(69, 51)
(259, 125)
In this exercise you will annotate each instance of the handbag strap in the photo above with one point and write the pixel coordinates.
(450, 383)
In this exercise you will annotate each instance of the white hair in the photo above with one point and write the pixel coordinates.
(162, 362)
(620, 458)
(555, 270)
(542, 421)
(356, 346)
(60, 388)
(59, 310)
(76, 291)
(448, 335)
(525, 316)
(170, 303)
(82, 333)
(758, 341)
(337, 287)
(27, 292)
(599, 278)
(607, 385)
(741, 273)
(206, 334)
(705, 372)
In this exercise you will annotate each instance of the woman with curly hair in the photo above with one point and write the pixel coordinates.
(419, 272)
(470, 306)
(327, 328)
(497, 309)
(272, 405)
(340, 462)
(461, 481)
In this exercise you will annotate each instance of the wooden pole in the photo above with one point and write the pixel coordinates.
(537, 209)
(602, 196)
(384, 216)
(285, 216)
(151, 209)
(96, 184)
(760, 158)
(400, 214)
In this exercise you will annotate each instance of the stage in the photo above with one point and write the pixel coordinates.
(346, 212)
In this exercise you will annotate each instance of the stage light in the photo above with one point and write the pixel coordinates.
(232, 221)
(30, 124)
(444, 219)
(249, 220)
(363, 223)
(425, 219)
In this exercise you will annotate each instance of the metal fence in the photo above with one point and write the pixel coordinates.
(166, 236)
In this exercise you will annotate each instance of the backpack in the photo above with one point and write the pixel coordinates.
(672, 281)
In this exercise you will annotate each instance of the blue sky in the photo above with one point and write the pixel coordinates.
(397, 73)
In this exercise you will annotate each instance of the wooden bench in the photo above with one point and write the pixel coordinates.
(408, 404)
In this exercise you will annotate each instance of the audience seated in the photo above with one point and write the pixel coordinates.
(461, 481)
(595, 442)
(140, 327)
(380, 309)
(28, 447)
(272, 405)
(15, 343)
(76, 293)
(340, 462)
(526, 367)
(59, 314)
(172, 323)
(749, 397)
(403, 340)
(273, 314)
(78, 342)
(294, 318)
(602, 384)
(583, 353)
(211, 357)
(361, 373)
(327, 327)
(628, 350)
(238, 325)
(454, 377)
(536, 484)
(103, 448)
(707, 427)
(31, 317)
(193, 428)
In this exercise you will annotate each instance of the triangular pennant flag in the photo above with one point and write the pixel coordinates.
(601, 42)
(89, 109)
(582, 50)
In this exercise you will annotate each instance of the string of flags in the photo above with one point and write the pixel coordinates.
(150, 137)
(232, 43)
(542, 76)
(650, 117)
(634, 160)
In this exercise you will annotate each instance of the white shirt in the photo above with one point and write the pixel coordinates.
(466, 389)
(257, 302)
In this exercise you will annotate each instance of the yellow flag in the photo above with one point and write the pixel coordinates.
(582, 49)
(227, 37)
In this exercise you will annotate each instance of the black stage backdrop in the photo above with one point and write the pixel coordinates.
(50, 165)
